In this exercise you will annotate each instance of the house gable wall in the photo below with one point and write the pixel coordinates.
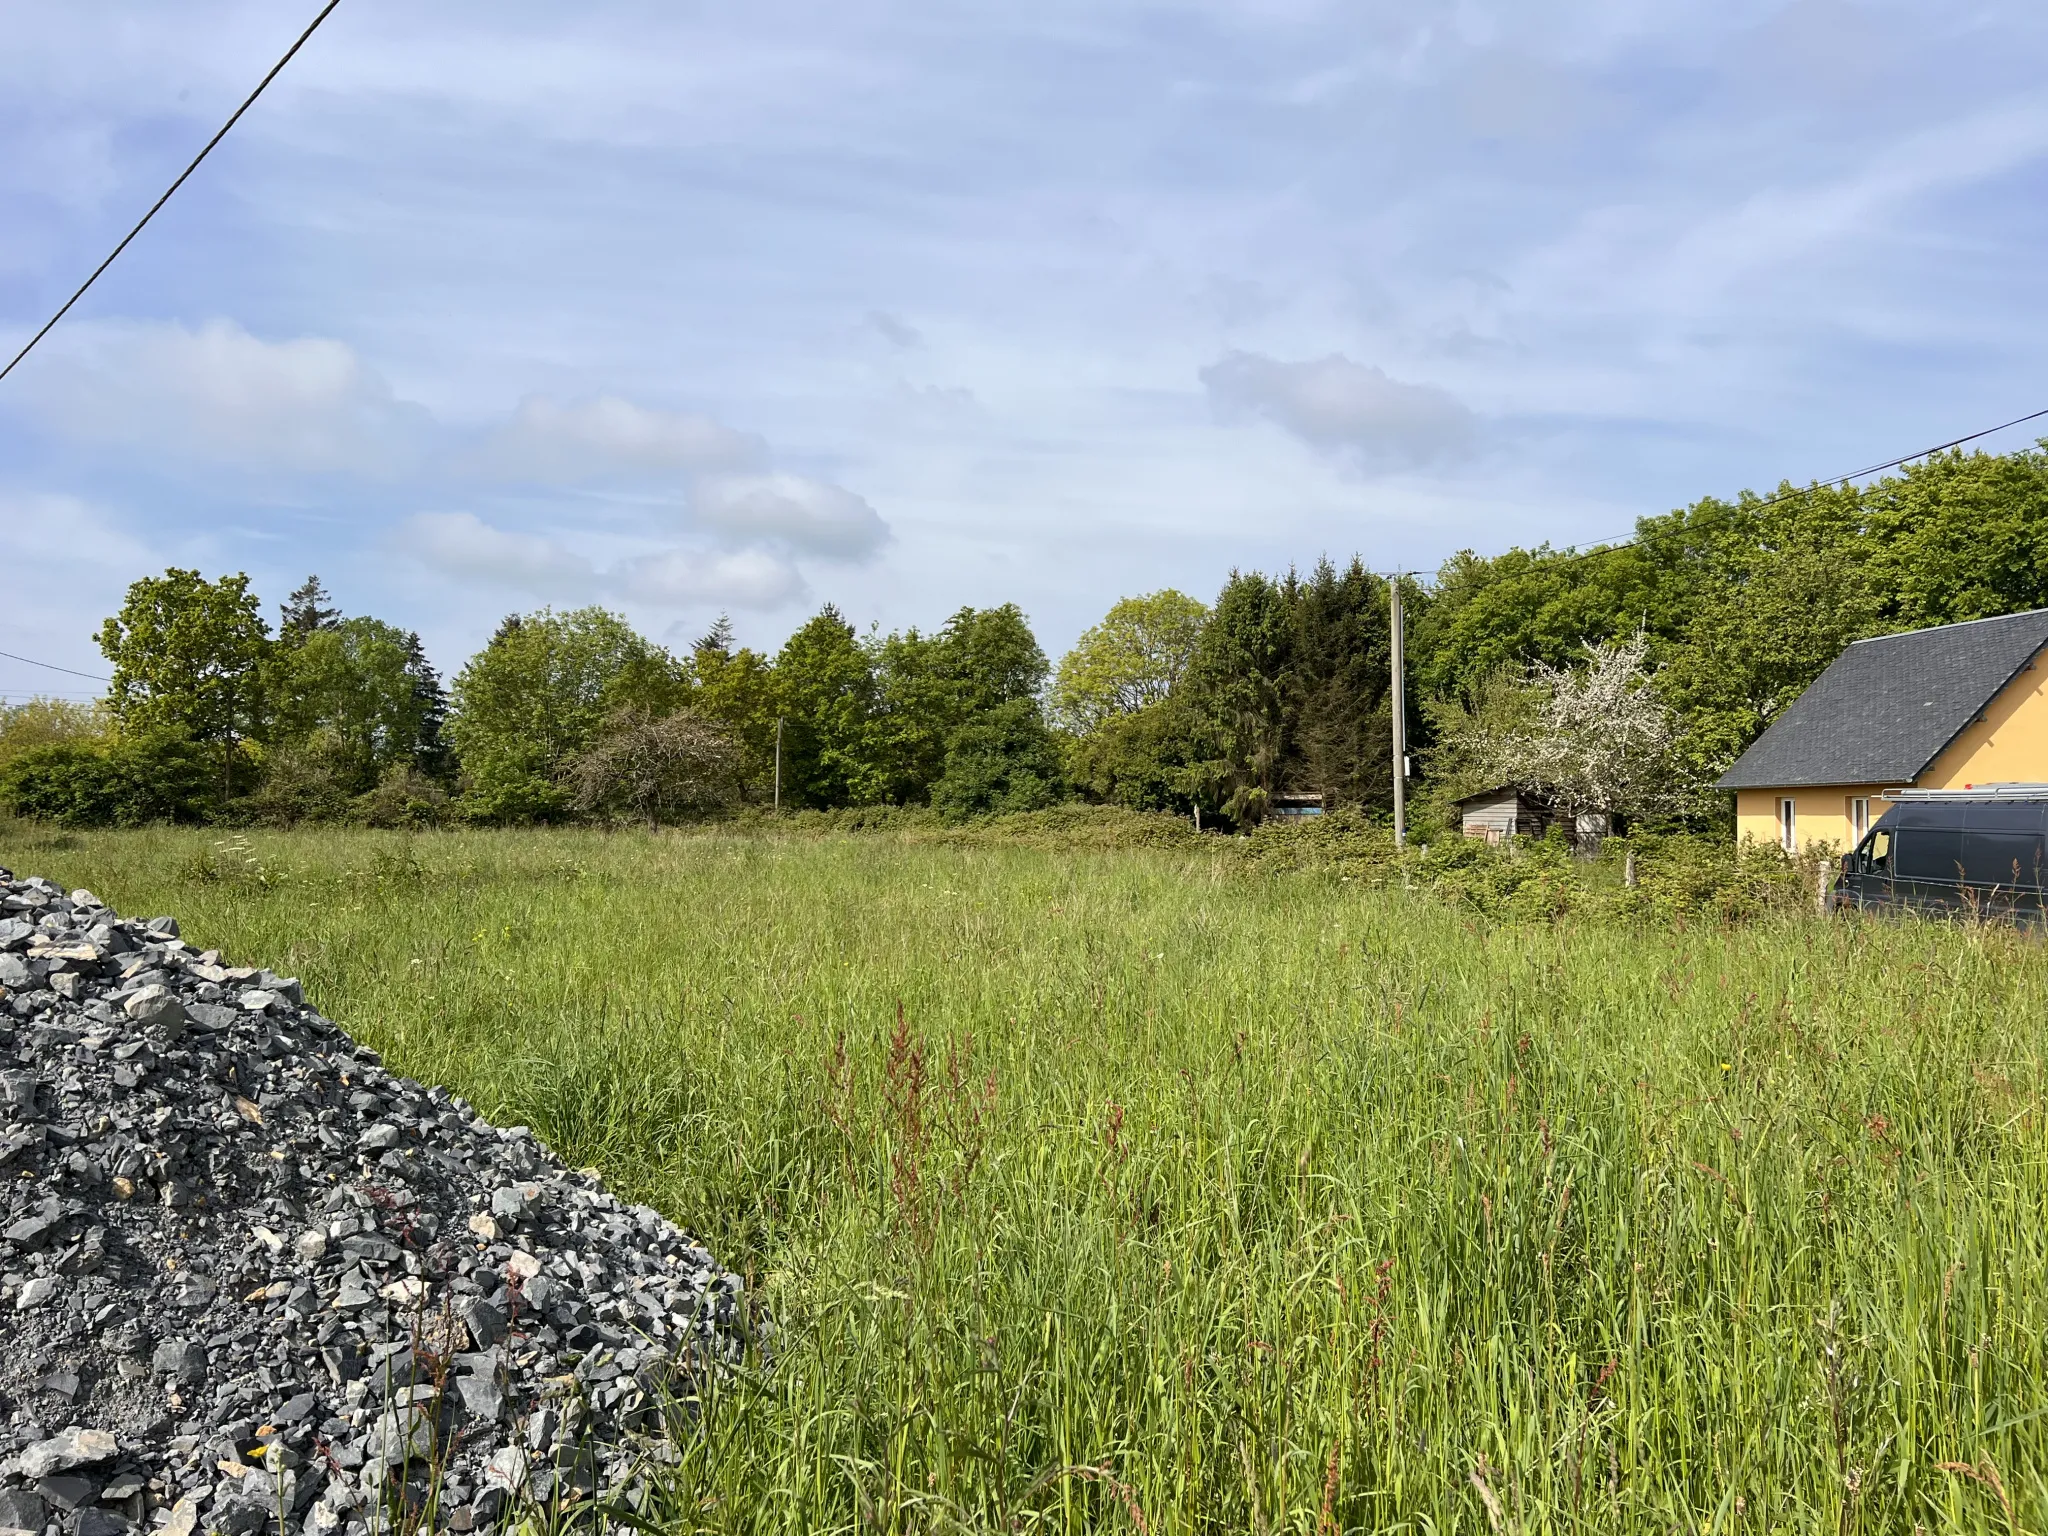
(2007, 744)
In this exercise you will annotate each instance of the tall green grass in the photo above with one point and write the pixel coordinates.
(1129, 1190)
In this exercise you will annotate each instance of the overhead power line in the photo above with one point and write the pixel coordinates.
(52, 666)
(1854, 474)
(182, 175)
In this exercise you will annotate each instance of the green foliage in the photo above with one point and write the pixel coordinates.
(1338, 739)
(49, 722)
(404, 797)
(305, 613)
(310, 779)
(1161, 757)
(188, 657)
(1134, 658)
(871, 721)
(129, 781)
(928, 687)
(1959, 536)
(735, 690)
(825, 686)
(1746, 602)
(1001, 761)
(536, 696)
(1464, 726)
(986, 658)
(1286, 687)
(364, 687)
(1237, 683)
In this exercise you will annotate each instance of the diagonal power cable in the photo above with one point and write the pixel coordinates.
(52, 666)
(182, 175)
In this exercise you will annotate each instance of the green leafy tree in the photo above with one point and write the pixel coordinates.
(988, 657)
(1338, 739)
(361, 693)
(1002, 759)
(916, 708)
(1959, 536)
(1161, 757)
(1755, 644)
(928, 686)
(825, 688)
(538, 694)
(1134, 658)
(734, 689)
(188, 658)
(1238, 686)
(1465, 728)
(50, 722)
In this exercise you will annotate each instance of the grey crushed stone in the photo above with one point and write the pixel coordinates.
(243, 1267)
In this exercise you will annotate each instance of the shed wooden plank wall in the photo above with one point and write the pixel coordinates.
(1503, 816)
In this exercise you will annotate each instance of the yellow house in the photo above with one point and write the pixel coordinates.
(1954, 707)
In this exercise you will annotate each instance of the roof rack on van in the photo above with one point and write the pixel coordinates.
(1975, 792)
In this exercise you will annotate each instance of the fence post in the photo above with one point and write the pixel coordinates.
(1820, 887)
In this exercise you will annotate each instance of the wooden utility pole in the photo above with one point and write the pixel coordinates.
(1400, 710)
(778, 765)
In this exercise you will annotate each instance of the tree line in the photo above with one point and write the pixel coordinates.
(1619, 680)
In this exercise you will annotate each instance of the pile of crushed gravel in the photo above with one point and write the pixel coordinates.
(249, 1273)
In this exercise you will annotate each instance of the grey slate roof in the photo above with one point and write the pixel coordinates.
(1886, 707)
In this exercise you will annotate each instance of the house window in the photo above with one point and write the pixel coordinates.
(1859, 818)
(1788, 827)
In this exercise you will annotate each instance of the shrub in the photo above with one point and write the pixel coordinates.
(306, 781)
(49, 722)
(404, 797)
(1002, 761)
(127, 782)
(512, 797)
(656, 768)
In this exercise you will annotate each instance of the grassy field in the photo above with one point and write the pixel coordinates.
(1109, 1191)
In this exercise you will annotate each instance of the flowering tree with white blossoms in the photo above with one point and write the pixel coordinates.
(1600, 741)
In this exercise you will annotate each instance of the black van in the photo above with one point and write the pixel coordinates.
(1980, 851)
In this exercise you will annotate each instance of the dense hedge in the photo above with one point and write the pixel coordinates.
(122, 782)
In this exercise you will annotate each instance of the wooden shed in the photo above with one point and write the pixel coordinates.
(1503, 812)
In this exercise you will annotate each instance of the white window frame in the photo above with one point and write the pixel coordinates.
(1788, 824)
(1859, 818)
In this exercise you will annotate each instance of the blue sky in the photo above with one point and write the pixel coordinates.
(684, 308)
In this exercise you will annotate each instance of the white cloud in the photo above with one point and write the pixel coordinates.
(745, 578)
(1340, 406)
(463, 545)
(808, 516)
(609, 437)
(220, 395)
